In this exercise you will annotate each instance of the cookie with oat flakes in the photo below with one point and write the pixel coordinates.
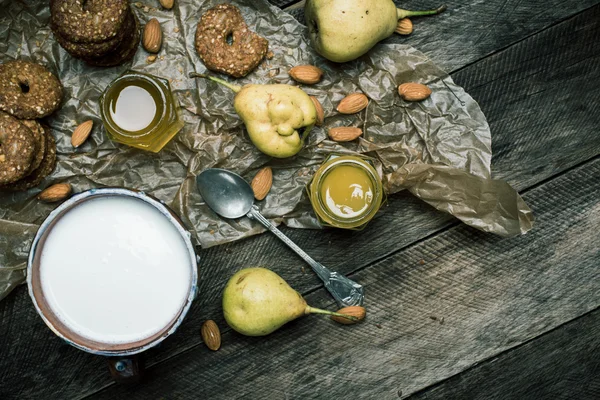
(28, 90)
(219, 25)
(17, 148)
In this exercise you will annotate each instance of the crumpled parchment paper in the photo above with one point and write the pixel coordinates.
(439, 149)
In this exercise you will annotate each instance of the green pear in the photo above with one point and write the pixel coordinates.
(278, 117)
(343, 30)
(257, 301)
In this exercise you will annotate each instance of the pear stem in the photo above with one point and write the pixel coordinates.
(406, 13)
(235, 88)
(312, 310)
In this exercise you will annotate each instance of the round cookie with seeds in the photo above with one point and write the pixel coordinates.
(40, 142)
(124, 52)
(28, 90)
(17, 148)
(220, 24)
(83, 50)
(90, 21)
(46, 167)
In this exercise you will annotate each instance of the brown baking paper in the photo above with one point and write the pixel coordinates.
(439, 149)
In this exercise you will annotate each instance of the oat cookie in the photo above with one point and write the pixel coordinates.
(17, 148)
(237, 59)
(46, 167)
(90, 21)
(83, 50)
(28, 90)
(40, 142)
(124, 52)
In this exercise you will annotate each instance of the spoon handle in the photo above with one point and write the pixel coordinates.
(345, 291)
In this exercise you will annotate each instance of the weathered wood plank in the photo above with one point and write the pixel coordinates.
(473, 297)
(80, 373)
(562, 364)
(470, 30)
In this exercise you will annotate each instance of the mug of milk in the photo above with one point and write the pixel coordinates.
(112, 272)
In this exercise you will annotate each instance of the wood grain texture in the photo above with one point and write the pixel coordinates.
(562, 364)
(473, 297)
(35, 364)
(470, 30)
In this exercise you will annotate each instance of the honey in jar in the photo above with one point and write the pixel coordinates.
(346, 192)
(139, 110)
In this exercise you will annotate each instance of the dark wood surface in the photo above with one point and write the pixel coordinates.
(435, 326)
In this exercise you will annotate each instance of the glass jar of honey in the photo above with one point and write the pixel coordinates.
(139, 110)
(346, 192)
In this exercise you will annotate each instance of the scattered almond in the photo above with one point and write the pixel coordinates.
(320, 112)
(261, 184)
(357, 312)
(413, 91)
(308, 74)
(168, 4)
(404, 27)
(344, 133)
(81, 133)
(56, 192)
(353, 103)
(211, 335)
(151, 59)
(152, 40)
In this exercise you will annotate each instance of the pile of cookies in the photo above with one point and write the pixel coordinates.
(28, 91)
(103, 33)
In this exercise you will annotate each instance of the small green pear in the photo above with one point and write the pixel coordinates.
(278, 117)
(257, 301)
(343, 30)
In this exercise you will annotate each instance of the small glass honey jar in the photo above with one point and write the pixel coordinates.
(346, 192)
(139, 110)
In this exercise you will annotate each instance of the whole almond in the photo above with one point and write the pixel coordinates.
(81, 133)
(308, 74)
(413, 91)
(152, 40)
(211, 335)
(56, 192)
(262, 182)
(168, 4)
(404, 27)
(320, 112)
(353, 103)
(357, 312)
(344, 133)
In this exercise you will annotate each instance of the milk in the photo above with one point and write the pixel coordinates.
(115, 270)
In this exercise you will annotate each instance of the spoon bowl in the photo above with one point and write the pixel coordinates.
(226, 193)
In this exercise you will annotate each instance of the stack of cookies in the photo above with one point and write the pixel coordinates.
(103, 33)
(28, 91)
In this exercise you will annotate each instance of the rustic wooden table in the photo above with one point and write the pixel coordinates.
(452, 312)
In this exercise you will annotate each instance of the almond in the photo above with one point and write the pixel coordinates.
(344, 133)
(413, 91)
(56, 192)
(357, 312)
(353, 103)
(152, 40)
(320, 112)
(168, 4)
(261, 184)
(404, 27)
(211, 335)
(81, 133)
(308, 74)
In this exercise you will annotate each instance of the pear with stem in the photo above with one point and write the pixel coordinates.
(257, 301)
